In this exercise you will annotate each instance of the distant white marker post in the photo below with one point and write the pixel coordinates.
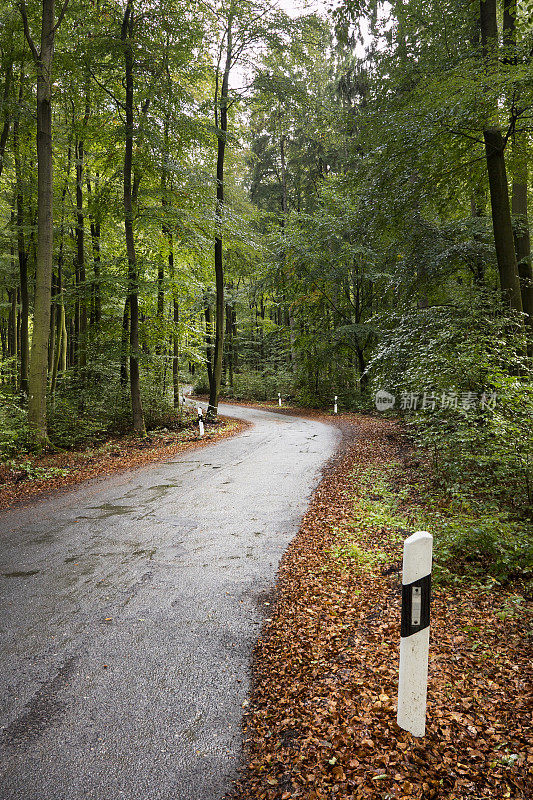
(201, 421)
(335, 405)
(279, 399)
(414, 642)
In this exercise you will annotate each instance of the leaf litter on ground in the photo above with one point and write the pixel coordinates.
(322, 717)
(34, 476)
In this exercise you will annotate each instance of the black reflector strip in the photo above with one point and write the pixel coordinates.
(416, 597)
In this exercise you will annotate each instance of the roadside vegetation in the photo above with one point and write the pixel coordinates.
(321, 724)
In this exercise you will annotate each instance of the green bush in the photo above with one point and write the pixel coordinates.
(14, 432)
(479, 451)
(482, 541)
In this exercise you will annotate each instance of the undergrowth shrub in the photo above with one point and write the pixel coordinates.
(252, 385)
(479, 449)
(14, 431)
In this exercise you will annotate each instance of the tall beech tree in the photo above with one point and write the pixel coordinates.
(43, 58)
(131, 191)
(496, 166)
(244, 24)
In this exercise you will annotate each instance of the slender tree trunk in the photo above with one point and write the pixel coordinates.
(130, 192)
(80, 255)
(522, 240)
(4, 133)
(285, 214)
(52, 336)
(497, 174)
(175, 332)
(229, 339)
(13, 310)
(124, 344)
(519, 172)
(95, 239)
(222, 104)
(209, 341)
(22, 252)
(61, 334)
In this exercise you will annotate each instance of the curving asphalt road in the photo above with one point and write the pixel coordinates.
(129, 610)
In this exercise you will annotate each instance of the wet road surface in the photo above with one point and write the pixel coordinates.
(129, 610)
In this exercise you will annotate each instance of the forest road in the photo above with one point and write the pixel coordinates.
(129, 610)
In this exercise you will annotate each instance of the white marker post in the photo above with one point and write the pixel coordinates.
(335, 405)
(414, 643)
(279, 399)
(201, 421)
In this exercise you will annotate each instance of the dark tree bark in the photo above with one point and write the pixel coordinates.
(124, 344)
(519, 172)
(285, 214)
(80, 248)
(95, 239)
(497, 173)
(4, 133)
(22, 252)
(131, 185)
(221, 105)
(175, 332)
(209, 341)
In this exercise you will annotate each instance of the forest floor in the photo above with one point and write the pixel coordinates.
(321, 721)
(30, 477)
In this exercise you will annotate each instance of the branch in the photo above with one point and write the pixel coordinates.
(27, 34)
(61, 16)
(115, 99)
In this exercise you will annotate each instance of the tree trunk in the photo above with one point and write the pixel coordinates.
(519, 171)
(214, 385)
(209, 342)
(80, 256)
(522, 240)
(4, 134)
(229, 339)
(60, 357)
(52, 336)
(175, 338)
(285, 213)
(22, 252)
(497, 174)
(130, 193)
(95, 239)
(124, 344)
(43, 59)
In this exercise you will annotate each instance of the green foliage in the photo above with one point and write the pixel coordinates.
(359, 558)
(33, 473)
(478, 540)
(253, 385)
(14, 432)
(471, 538)
(483, 450)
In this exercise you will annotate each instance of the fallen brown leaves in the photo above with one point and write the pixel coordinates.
(119, 454)
(322, 717)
